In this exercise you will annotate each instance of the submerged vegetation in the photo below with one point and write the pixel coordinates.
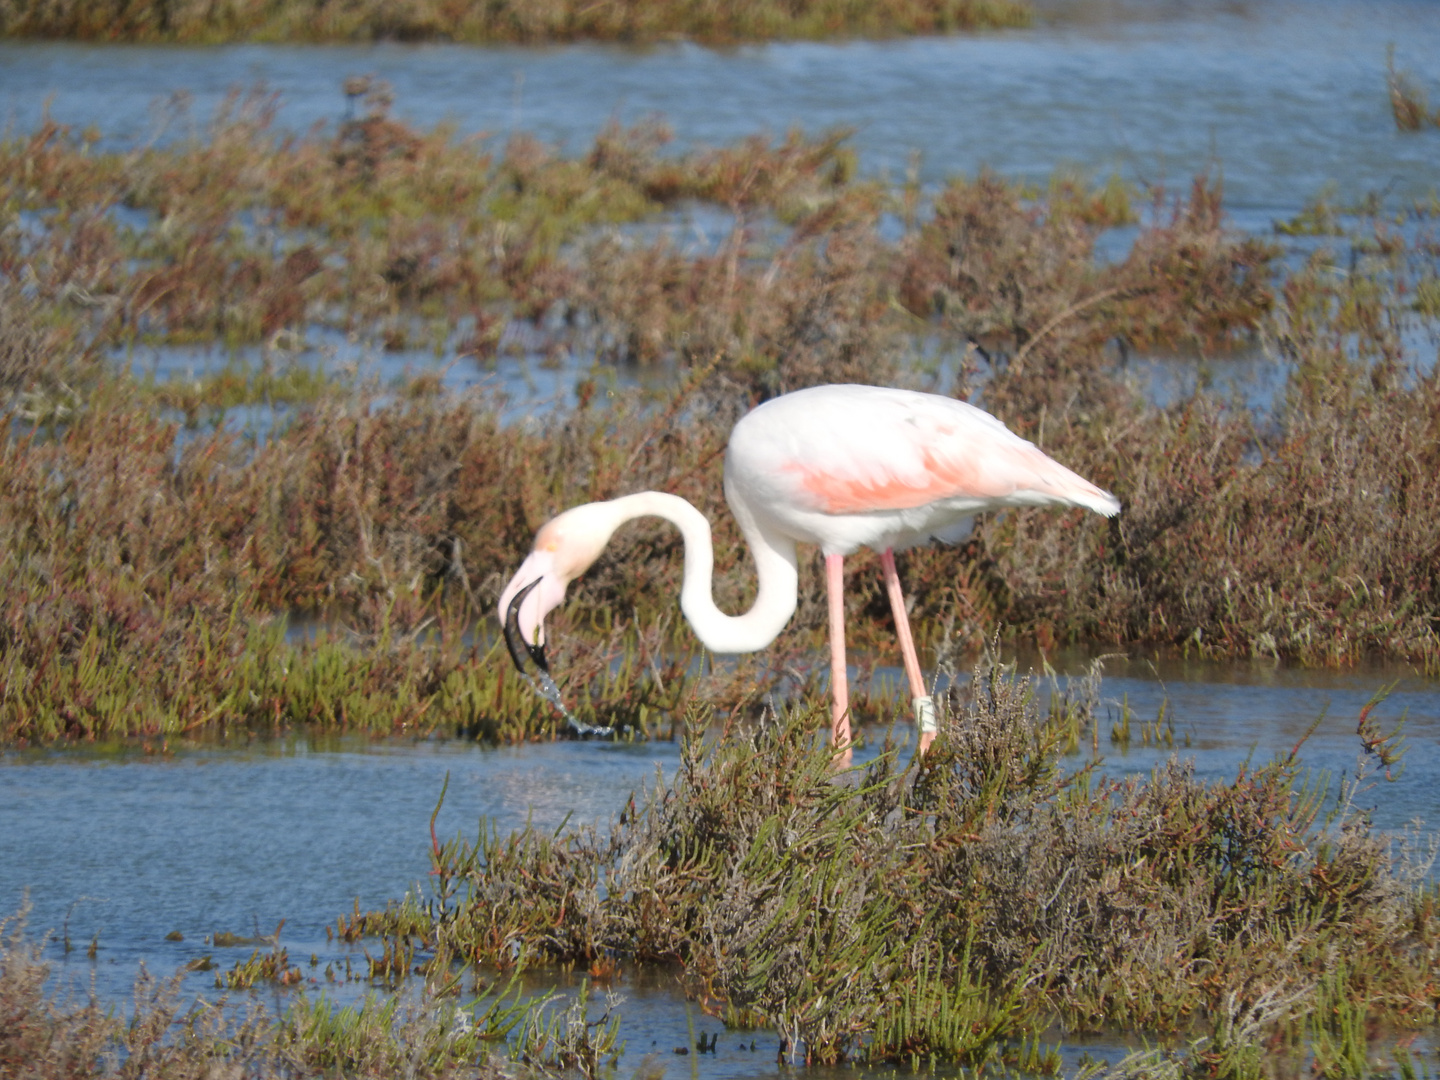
(495, 21)
(162, 538)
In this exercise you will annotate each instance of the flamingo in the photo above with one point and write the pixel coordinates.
(841, 467)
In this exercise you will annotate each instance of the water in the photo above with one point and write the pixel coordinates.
(1226, 713)
(547, 689)
(237, 838)
(123, 848)
(519, 381)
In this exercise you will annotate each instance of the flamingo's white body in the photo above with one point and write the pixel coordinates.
(842, 467)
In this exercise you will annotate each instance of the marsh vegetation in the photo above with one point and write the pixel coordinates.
(156, 534)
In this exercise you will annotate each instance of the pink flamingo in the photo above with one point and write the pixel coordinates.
(837, 466)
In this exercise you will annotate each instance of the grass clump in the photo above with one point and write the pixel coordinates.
(1407, 97)
(955, 909)
(145, 584)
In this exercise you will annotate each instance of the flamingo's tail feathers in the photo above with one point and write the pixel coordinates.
(1063, 485)
(1093, 498)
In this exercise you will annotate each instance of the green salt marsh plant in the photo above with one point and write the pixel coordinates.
(241, 233)
(270, 967)
(559, 1034)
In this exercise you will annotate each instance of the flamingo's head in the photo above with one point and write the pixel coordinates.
(565, 547)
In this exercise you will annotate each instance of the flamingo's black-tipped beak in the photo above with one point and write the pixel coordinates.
(515, 640)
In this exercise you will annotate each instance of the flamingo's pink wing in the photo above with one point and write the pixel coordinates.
(875, 450)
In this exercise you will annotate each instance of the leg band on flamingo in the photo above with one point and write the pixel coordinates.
(925, 715)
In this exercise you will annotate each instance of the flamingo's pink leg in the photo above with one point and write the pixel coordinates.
(924, 705)
(839, 688)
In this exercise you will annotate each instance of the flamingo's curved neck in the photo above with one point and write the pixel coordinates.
(774, 557)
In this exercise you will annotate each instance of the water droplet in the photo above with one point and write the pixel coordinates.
(551, 693)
